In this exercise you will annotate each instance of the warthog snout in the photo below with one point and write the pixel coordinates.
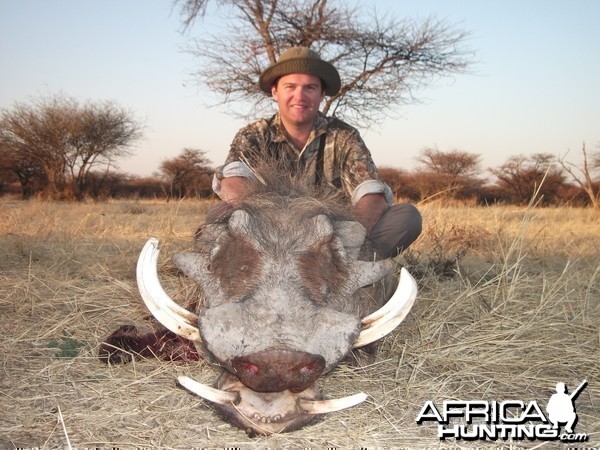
(278, 370)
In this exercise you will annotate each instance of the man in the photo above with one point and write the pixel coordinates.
(561, 409)
(324, 151)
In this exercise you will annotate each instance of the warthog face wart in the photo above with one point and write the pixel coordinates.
(285, 302)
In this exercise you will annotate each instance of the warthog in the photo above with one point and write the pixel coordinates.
(290, 290)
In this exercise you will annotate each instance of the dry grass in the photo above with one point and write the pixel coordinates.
(521, 313)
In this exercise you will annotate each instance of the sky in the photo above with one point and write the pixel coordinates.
(535, 86)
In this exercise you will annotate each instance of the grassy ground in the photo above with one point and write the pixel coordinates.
(509, 305)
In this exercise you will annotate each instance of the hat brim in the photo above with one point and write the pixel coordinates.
(316, 67)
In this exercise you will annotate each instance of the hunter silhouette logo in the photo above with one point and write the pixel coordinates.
(561, 407)
(507, 420)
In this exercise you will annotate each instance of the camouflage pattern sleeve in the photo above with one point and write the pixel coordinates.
(245, 144)
(240, 144)
(248, 144)
(358, 171)
(357, 166)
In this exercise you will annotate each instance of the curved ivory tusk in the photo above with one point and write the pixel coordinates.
(308, 406)
(152, 248)
(405, 289)
(389, 316)
(206, 392)
(175, 318)
(327, 406)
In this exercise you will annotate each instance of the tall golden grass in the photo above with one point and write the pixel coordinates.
(516, 310)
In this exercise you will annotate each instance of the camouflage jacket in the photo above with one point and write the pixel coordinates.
(335, 155)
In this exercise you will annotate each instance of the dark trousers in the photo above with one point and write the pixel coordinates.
(398, 227)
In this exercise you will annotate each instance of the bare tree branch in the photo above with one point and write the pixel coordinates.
(382, 62)
(583, 175)
(66, 140)
(190, 10)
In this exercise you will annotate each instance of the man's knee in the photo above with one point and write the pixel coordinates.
(399, 226)
(410, 220)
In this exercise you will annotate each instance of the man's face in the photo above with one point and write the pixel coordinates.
(298, 97)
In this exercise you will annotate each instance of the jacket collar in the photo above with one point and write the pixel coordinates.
(279, 134)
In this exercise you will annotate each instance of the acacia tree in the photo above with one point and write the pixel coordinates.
(37, 135)
(583, 175)
(451, 174)
(521, 177)
(65, 140)
(382, 61)
(103, 133)
(400, 182)
(187, 175)
(26, 171)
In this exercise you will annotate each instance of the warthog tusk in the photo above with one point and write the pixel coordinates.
(389, 316)
(207, 392)
(308, 406)
(327, 406)
(175, 318)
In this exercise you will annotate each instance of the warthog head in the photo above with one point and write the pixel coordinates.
(285, 302)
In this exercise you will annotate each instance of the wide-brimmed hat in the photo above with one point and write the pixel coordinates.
(301, 60)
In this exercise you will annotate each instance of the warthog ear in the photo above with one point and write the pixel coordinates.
(352, 235)
(191, 264)
(321, 226)
(364, 273)
(240, 224)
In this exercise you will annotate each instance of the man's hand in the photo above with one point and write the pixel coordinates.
(233, 188)
(369, 209)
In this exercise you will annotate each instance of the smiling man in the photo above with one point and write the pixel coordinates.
(321, 151)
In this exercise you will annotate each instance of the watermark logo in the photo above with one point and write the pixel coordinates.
(510, 419)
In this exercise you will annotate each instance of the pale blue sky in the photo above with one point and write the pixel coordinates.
(535, 88)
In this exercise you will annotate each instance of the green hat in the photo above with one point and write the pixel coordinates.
(301, 60)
